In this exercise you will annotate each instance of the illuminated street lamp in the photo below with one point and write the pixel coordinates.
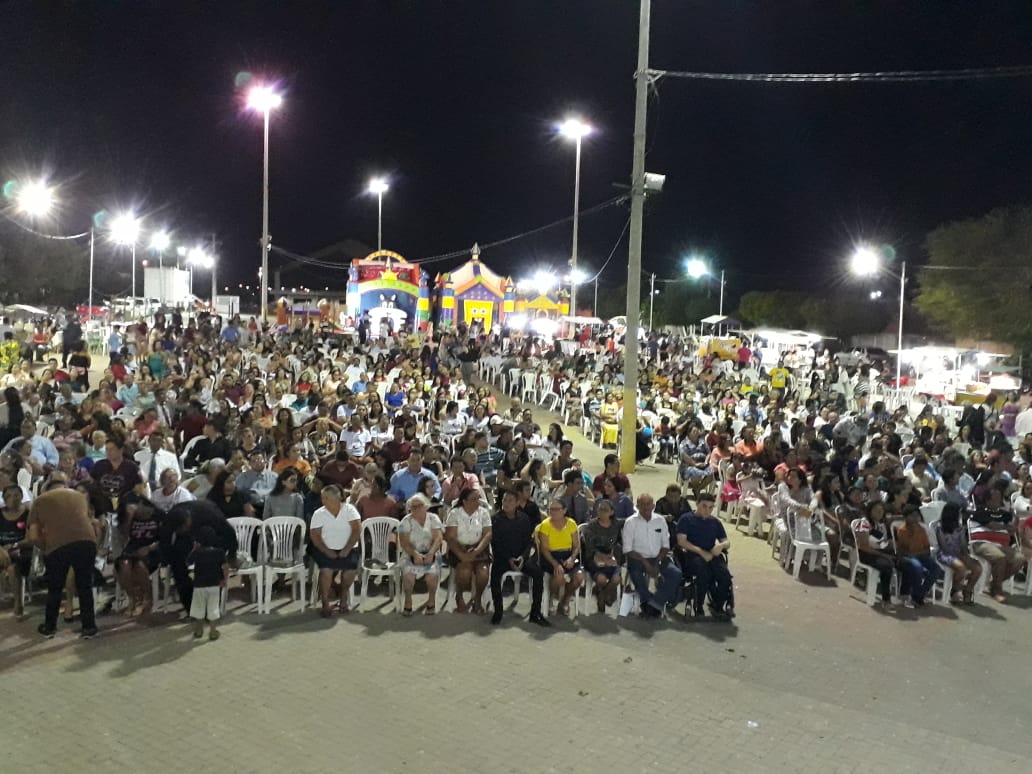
(378, 187)
(696, 268)
(866, 261)
(576, 130)
(35, 199)
(264, 100)
(125, 230)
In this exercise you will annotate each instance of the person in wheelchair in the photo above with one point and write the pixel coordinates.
(702, 546)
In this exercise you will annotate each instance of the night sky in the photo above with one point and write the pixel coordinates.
(134, 103)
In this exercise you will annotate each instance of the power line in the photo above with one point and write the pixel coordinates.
(22, 226)
(305, 259)
(886, 76)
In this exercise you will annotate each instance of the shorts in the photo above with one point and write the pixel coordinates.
(609, 572)
(345, 563)
(419, 570)
(206, 603)
(562, 556)
(991, 552)
(485, 558)
(151, 561)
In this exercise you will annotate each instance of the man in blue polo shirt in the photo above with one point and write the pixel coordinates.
(405, 482)
(702, 541)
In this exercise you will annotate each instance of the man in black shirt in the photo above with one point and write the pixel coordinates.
(178, 532)
(512, 539)
(523, 502)
(213, 445)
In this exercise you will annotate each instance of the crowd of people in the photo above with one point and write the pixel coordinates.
(196, 422)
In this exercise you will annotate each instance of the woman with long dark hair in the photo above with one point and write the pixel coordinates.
(11, 416)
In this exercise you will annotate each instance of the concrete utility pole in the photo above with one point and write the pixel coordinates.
(641, 94)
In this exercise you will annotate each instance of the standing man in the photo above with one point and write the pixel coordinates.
(512, 539)
(60, 523)
(646, 545)
(704, 543)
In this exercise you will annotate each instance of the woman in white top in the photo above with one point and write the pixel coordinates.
(420, 537)
(169, 494)
(335, 532)
(468, 532)
(794, 501)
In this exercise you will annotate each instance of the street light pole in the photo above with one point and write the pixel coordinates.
(721, 311)
(652, 297)
(641, 94)
(379, 221)
(899, 350)
(132, 294)
(576, 219)
(265, 218)
(214, 272)
(379, 186)
(90, 301)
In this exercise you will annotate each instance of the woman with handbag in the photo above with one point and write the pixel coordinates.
(602, 553)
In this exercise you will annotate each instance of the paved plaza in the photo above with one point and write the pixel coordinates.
(806, 679)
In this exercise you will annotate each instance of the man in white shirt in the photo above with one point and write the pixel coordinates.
(155, 459)
(1023, 422)
(646, 543)
(170, 493)
(357, 440)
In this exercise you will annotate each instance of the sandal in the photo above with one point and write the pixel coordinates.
(430, 610)
(344, 608)
(407, 612)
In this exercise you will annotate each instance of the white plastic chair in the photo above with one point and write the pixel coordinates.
(872, 576)
(186, 453)
(285, 546)
(530, 386)
(516, 577)
(800, 545)
(947, 571)
(513, 386)
(588, 586)
(246, 527)
(379, 529)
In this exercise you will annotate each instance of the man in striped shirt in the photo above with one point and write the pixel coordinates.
(991, 527)
(488, 459)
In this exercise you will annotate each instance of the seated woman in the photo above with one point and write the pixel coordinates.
(622, 504)
(285, 499)
(874, 548)
(335, 534)
(919, 568)
(559, 548)
(753, 497)
(15, 550)
(954, 552)
(468, 532)
(602, 554)
(420, 537)
(227, 498)
(141, 554)
(608, 416)
(377, 502)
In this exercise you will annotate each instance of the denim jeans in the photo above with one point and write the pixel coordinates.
(668, 583)
(919, 575)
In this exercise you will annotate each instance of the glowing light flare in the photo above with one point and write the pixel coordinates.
(865, 261)
(578, 276)
(574, 129)
(199, 258)
(378, 186)
(696, 268)
(263, 99)
(160, 241)
(35, 198)
(125, 229)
